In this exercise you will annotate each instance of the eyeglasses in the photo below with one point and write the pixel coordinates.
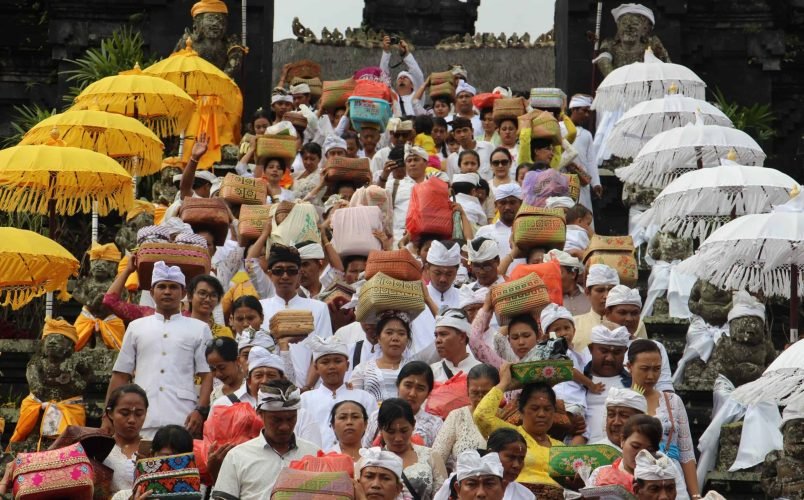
(279, 271)
(484, 266)
(498, 163)
(203, 295)
(400, 135)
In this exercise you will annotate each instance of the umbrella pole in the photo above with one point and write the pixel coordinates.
(94, 222)
(51, 208)
(793, 304)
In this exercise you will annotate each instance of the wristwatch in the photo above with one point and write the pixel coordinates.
(203, 411)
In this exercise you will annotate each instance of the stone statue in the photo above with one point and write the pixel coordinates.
(57, 376)
(746, 352)
(710, 303)
(208, 36)
(634, 34)
(141, 215)
(783, 471)
(636, 195)
(163, 191)
(96, 318)
(667, 247)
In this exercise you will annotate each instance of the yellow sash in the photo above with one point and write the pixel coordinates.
(111, 329)
(60, 414)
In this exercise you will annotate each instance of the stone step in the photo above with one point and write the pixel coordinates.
(735, 485)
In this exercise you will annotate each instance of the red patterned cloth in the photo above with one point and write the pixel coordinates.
(612, 475)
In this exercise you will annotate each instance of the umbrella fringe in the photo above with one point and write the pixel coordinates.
(15, 199)
(624, 96)
(629, 135)
(779, 387)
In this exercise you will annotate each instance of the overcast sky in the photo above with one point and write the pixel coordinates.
(520, 16)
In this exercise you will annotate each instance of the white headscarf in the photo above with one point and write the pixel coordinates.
(465, 87)
(398, 125)
(411, 150)
(601, 274)
(622, 295)
(488, 250)
(618, 337)
(745, 304)
(560, 202)
(454, 318)
(564, 259)
(322, 347)
(272, 399)
(508, 189)
(552, 313)
(468, 297)
(163, 272)
(301, 88)
(376, 457)
(649, 468)
(580, 101)
(405, 74)
(332, 142)
(251, 337)
(259, 357)
(311, 251)
(471, 178)
(471, 464)
(281, 98)
(632, 8)
(628, 398)
(439, 255)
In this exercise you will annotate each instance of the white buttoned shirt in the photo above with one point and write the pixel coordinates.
(163, 356)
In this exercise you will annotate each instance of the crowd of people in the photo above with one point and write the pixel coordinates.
(363, 388)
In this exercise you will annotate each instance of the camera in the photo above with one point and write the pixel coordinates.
(394, 40)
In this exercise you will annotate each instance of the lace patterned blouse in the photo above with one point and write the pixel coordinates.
(458, 434)
(379, 382)
(426, 476)
(680, 425)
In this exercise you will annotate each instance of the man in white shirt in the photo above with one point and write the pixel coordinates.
(301, 94)
(250, 470)
(452, 344)
(162, 354)
(415, 166)
(507, 200)
(400, 132)
(462, 130)
(331, 361)
(443, 260)
(406, 81)
(623, 307)
(608, 350)
(284, 264)
(584, 144)
(464, 108)
(484, 259)
(621, 404)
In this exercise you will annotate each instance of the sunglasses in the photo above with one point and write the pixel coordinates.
(498, 163)
(279, 271)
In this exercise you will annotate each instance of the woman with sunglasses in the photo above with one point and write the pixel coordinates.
(501, 161)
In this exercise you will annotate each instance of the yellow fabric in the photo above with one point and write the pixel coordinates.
(61, 327)
(173, 162)
(133, 280)
(72, 411)
(214, 6)
(111, 329)
(115, 135)
(583, 330)
(221, 331)
(242, 286)
(140, 207)
(32, 265)
(537, 460)
(108, 252)
(524, 150)
(572, 131)
(73, 177)
(426, 142)
(159, 214)
(161, 105)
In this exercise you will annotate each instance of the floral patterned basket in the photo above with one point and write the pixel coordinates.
(616, 252)
(565, 460)
(169, 477)
(550, 371)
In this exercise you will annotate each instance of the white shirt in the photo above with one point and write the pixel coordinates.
(483, 150)
(440, 374)
(164, 356)
(596, 407)
(319, 403)
(299, 353)
(400, 203)
(473, 209)
(450, 298)
(250, 470)
(584, 144)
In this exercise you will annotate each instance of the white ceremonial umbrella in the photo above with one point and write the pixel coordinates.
(691, 147)
(761, 252)
(701, 201)
(643, 121)
(633, 83)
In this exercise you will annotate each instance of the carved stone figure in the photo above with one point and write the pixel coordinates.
(209, 38)
(667, 247)
(137, 218)
(102, 270)
(634, 35)
(635, 195)
(163, 191)
(783, 471)
(746, 352)
(55, 375)
(710, 303)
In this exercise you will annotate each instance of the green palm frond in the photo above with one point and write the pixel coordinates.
(755, 120)
(24, 118)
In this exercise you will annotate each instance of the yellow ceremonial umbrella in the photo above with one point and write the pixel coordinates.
(50, 179)
(218, 98)
(31, 265)
(124, 139)
(160, 105)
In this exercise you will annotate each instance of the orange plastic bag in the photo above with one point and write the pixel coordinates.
(368, 88)
(233, 424)
(325, 462)
(485, 100)
(549, 272)
(429, 211)
(448, 396)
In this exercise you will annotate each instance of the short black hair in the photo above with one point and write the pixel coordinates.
(352, 258)
(535, 388)
(423, 124)
(484, 370)
(525, 319)
(484, 112)
(175, 437)
(417, 368)
(225, 346)
(119, 391)
(648, 426)
(461, 122)
(502, 437)
(446, 99)
(463, 187)
(209, 280)
(394, 409)
(440, 122)
(248, 301)
(341, 403)
(312, 148)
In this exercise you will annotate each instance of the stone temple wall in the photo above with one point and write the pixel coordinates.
(487, 67)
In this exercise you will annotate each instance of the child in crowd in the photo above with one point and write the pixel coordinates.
(579, 230)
